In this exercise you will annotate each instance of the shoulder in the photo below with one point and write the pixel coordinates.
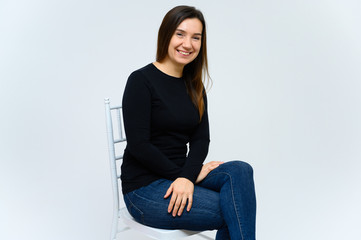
(143, 73)
(140, 80)
(143, 76)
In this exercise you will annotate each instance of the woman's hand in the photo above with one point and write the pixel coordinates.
(181, 190)
(207, 168)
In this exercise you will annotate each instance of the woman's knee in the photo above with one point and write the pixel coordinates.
(238, 167)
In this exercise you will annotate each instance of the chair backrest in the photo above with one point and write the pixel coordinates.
(116, 136)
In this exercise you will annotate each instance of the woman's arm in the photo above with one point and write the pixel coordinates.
(198, 148)
(137, 122)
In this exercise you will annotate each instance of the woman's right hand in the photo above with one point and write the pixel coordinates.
(182, 192)
(206, 169)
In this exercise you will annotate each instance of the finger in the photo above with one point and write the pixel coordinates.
(190, 203)
(171, 203)
(182, 206)
(169, 191)
(217, 162)
(176, 206)
(213, 167)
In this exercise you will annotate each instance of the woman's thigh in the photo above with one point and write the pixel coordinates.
(148, 206)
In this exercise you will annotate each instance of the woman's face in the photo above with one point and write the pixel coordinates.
(186, 42)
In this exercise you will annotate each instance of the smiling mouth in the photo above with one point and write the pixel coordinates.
(184, 53)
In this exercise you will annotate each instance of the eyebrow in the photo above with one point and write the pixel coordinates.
(198, 34)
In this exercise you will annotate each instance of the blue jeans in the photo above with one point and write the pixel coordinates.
(225, 200)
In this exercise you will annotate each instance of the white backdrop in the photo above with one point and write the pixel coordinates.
(286, 98)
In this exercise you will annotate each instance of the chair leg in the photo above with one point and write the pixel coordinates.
(117, 229)
(114, 227)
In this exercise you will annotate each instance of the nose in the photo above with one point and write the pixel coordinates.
(187, 43)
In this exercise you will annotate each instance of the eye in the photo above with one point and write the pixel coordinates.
(197, 38)
(179, 34)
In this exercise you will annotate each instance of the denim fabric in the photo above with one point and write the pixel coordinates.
(225, 200)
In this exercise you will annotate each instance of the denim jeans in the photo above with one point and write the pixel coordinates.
(225, 200)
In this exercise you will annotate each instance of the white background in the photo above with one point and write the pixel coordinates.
(285, 97)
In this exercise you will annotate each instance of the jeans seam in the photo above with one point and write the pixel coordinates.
(234, 202)
(149, 200)
(135, 207)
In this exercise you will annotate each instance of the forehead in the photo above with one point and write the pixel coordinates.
(191, 25)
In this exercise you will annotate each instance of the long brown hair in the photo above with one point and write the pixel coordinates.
(195, 72)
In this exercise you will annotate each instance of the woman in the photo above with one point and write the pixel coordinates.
(165, 184)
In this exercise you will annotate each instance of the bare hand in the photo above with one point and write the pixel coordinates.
(182, 190)
(207, 168)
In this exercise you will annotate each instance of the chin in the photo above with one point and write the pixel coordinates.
(184, 62)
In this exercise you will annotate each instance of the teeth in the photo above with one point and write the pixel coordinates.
(184, 53)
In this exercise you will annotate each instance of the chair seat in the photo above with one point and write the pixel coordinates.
(156, 233)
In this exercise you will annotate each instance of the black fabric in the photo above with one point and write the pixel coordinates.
(160, 120)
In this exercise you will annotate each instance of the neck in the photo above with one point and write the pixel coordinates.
(169, 68)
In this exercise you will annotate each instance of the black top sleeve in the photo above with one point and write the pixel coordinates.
(198, 148)
(137, 121)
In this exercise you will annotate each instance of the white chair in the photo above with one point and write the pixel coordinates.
(116, 136)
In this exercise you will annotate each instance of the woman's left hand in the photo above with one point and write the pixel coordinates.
(182, 191)
(207, 168)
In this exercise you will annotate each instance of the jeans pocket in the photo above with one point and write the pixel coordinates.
(135, 212)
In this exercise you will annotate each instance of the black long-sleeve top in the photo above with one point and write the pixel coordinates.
(160, 120)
